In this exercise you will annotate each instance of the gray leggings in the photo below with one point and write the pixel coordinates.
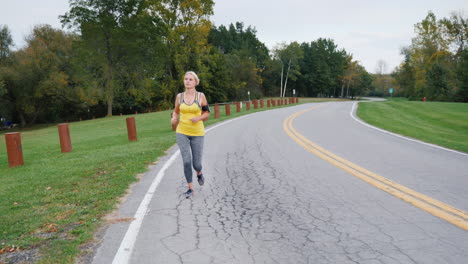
(191, 149)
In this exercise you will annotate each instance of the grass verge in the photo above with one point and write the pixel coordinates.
(54, 202)
(440, 123)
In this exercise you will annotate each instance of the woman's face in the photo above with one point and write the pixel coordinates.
(190, 81)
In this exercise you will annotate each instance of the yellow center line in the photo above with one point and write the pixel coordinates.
(426, 203)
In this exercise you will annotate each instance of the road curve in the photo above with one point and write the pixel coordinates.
(269, 199)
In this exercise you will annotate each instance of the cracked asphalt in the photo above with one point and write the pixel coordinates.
(266, 199)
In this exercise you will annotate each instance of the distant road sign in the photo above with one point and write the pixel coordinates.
(390, 90)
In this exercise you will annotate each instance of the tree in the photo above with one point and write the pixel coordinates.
(362, 83)
(289, 56)
(437, 81)
(351, 73)
(216, 82)
(433, 60)
(237, 38)
(245, 56)
(404, 75)
(428, 41)
(270, 80)
(455, 30)
(381, 79)
(100, 23)
(322, 68)
(186, 26)
(38, 77)
(6, 42)
(381, 67)
(462, 70)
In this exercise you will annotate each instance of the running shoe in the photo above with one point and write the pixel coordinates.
(201, 179)
(188, 193)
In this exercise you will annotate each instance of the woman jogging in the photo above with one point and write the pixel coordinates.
(193, 109)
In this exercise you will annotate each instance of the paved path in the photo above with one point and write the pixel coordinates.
(268, 199)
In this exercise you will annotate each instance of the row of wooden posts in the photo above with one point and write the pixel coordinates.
(15, 149)
(256, 104)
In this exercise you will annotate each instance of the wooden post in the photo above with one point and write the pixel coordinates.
(64, 135)
(228, 109)
(268, 103)
(131, 129)
(238, 109)
(262, 104)
(216, 110)
(14, 149)
(255, 103)
(247, 105)
(297, 100)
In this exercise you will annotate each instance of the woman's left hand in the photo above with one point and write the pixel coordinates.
(195, 119)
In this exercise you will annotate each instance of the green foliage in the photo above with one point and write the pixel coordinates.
(437, 82)
(245, 59)
(126, 56)
(5, 43)
(405, 76)
(325, 68)
(105, 28)
(186, 26)
(2, 88)
(462, 73)
(216, 80)
(289, 55)
(37, 77)
(237, 38)
(433, 62)
(455, 30)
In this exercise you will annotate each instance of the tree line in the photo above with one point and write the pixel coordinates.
(435, 65)
(124, 56)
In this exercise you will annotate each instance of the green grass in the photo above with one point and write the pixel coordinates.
(56, 201)
(440, 123)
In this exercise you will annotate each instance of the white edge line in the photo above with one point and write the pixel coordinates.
(400, 136)
(126, 246)
(128, 242)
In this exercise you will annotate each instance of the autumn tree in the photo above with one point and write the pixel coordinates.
(38, 77)
(186, 26)
(433, 62)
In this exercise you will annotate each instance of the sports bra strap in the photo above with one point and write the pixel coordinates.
(196, 100)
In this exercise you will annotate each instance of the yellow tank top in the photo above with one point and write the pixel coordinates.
(187, 112)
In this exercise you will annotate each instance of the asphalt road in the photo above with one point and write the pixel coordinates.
(273, 195)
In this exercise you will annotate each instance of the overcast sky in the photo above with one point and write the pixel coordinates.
(371, 30)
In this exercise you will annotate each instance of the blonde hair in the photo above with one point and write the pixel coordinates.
(197, 80)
